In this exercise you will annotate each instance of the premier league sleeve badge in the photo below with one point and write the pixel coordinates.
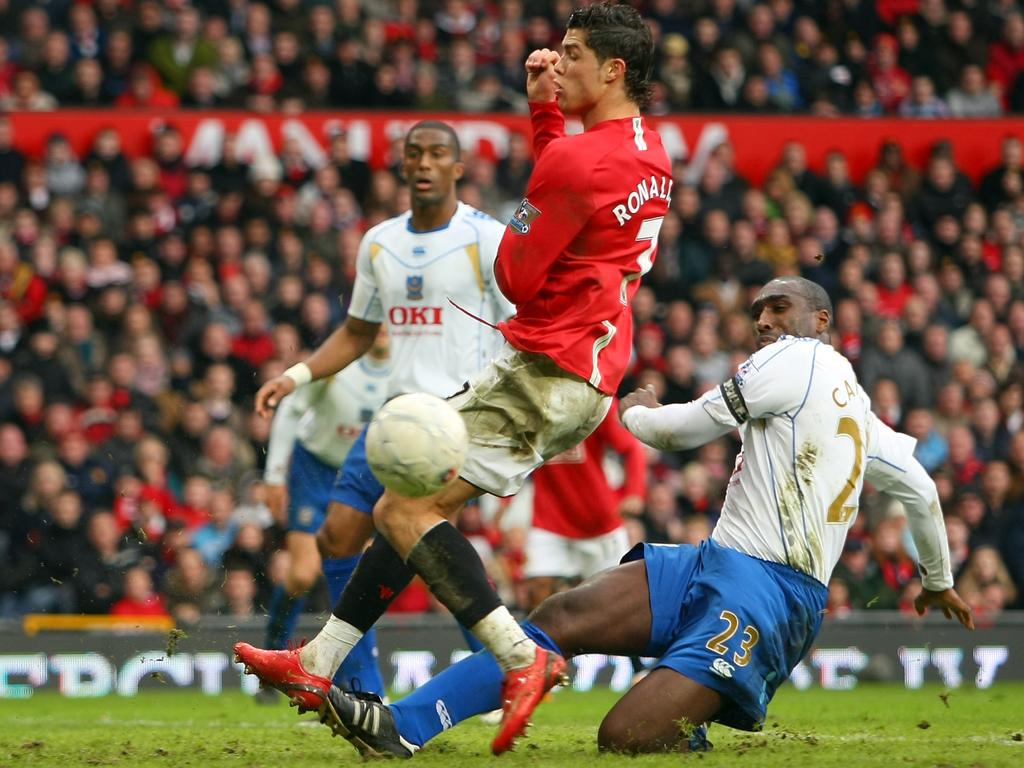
(523, 217)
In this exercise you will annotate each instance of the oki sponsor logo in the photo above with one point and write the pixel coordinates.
(415, 315)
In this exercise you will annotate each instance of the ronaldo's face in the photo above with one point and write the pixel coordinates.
(578, 83)
(430, 166)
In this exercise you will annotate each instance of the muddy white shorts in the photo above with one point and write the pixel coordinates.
(521, 410)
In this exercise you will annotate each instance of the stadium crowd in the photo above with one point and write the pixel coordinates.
(143, 301)
(925, 58)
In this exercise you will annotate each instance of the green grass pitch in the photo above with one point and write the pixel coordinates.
(871, 725)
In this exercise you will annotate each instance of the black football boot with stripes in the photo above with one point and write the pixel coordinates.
(366, 722)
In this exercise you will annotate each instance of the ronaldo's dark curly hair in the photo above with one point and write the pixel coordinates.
(619, 32)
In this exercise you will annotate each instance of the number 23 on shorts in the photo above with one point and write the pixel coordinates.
(717, 644)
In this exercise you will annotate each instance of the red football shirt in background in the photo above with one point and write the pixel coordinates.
(573, 253)
(571, 495)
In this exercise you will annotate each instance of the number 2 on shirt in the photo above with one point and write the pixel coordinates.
(838, 510)
(648, 232)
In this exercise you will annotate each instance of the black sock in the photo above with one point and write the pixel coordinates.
(376, 582)
(452, 569)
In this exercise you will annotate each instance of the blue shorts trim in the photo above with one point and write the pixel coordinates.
(694, 591)
(355, 484)
(309, 489)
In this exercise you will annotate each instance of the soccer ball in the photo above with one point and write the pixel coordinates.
(416, 444)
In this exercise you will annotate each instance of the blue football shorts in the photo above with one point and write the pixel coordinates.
(309, 489)
(355, 484)
(729, 621)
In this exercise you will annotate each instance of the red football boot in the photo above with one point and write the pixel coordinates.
(283, 670)
(521, 692)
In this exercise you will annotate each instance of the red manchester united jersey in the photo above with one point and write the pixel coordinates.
(573, 253)
(571, 495)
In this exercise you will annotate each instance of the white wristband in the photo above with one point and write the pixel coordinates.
(300, 374)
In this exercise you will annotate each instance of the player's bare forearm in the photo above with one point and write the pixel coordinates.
(343, 347)
(952, 605)
(347, 344)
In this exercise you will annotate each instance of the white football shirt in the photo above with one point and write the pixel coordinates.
(326, 416)
(409, 280)
(810, 440)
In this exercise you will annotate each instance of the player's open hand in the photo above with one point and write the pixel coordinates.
(540, 74)
(949, 601)
(272, 393)
(644, 396)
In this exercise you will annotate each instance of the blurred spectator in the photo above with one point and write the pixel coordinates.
(972, 97)
(932, 450)
(922, 100)
(179, 53)
(108, 555)
(863, 581)
(890, 82)
(145, 91)
(216, 537)
(890, 359)
(895, 565)
(240, 591)
(140, 598)
(191, 588)
(986, 569)
(1006, 55)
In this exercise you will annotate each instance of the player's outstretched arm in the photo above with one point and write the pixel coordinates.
(949, 601)
(674, 427)
(893, 469)
(347, 344)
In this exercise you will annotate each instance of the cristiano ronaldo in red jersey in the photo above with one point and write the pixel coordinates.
(571, 259)
(574, 251)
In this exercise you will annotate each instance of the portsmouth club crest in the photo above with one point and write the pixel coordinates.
(414, 287)
(524, 217)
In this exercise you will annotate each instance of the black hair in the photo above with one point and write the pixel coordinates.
(438, 125)
(619, 32)
(816, 297)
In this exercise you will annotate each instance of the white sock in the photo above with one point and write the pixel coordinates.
(505, 639)
(324, 653)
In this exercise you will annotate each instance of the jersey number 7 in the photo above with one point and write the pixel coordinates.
(648, 232)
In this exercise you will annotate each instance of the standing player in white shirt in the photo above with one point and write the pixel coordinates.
(728, 619)
(422, 273)
(312, 432)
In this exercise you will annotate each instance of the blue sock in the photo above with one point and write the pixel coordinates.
(471, 642)
(284, 611)
(471, 687)
(360, 669)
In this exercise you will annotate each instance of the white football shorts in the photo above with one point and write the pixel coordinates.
(521, 410)
(550, 554)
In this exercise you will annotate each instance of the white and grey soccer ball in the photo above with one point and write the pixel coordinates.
(416, 444)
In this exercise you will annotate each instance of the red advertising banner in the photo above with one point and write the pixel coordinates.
(758, 141)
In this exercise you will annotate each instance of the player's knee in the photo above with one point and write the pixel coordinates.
(385, 514)
(624, 735)
(614, 735)
(334, 543)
